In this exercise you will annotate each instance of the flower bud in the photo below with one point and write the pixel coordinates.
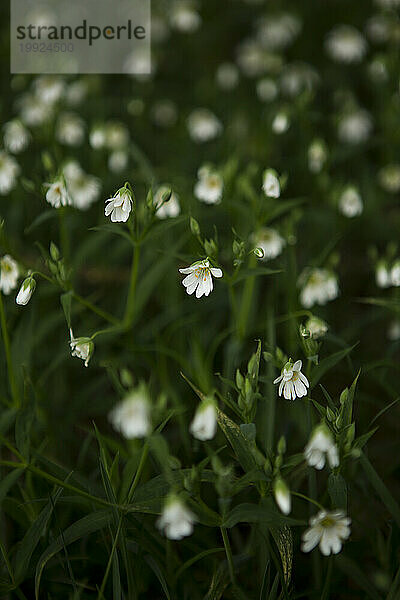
(282, 496)
(26, 291)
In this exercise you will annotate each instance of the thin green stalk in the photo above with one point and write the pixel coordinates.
(246, 300)
(8, 564)
(270, 402)
(64, 239)
(100, 595)
(130, 303)
(139, 471)
(228, 552)
(101, 313)
(7, 350)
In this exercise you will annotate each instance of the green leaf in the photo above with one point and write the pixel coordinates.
(66, 300)
(8, 481)
(337, 489)
(381, 489)
(155, 567)
(240, 445)
(255, 513)
(328, 363)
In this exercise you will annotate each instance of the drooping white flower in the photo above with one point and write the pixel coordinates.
(199, 277)
(8, 274)
(320, 287)
(70, 130)
(395, 273)
(203, 125)
(227, 76)
(209, 187)
(26, 290)
(317, 155)
(266, 89)
(168, 209)
(346, 44)
(389, 178)
(355, 127)
(282, 496)
(270, 242)
(382, 274)
(329, 530)
(350, 202)
(280, 123)
(131, 417)
(292, 383)
(9, 170)
(57, 195)
(271, 185)
(16, 136)
(321, 446)
(176, 521)
(204, 425)
(81, 347)
(120, 206)
(184, 16)
(316, 327)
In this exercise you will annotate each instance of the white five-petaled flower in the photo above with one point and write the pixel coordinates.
(282, 496)
(8, 274)
(57, 195)
(271, 185)
(176, 521)
(131, 417)
(320, 447)
(120, 206)
(199, 277)
(81, 347)
(204, 425)
(329, 530)
(292, 382)
(320, 286)
(209, 187)
(26, 290)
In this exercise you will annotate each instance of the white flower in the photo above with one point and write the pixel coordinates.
(8, 274)
(204, 425)
(199, 277)
(131, 417)
(346, 44)
(329, 530)
(83, 189)
(316, 327)
(350, 202)
(382, 275)
(292, 382)
(389, 178)
(270, 242)
(278, 31)
(77, 92)
(184, 17)
(209, 187)
(97, 137)
(26, 291)
(227, 76)
(49, 89)
(118, 161)
(282, 496)
(120, 206)
(176, 521)
(33, 111)
(296, 78)
(117, 135)
(395, 273)
(355, 127)
(321, 286)
(203, 125)
(57, 195)
(9, 170)
(271, 185)
(317, 155)
(280, 123)
(81, 347)
(16, 136)
(252, 58)
(166, 209)
(70, 130)
(266, 89)
(320, 446)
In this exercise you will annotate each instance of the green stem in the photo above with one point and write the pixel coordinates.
(130, 303)
(101, 313)
(64, 240)
(270, 401)
(100, 595)
(7, 350)
(247, 297)
(228, 553)
(139, 471)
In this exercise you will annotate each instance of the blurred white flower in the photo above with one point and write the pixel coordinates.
(227, 76)
(382, 275)
(280, 123)
(355, 127)
(317, 155)
(9, 170)
(277, 32)
(119, 206)
(282, 496)
(271, 185)
(81, 347)
(168, 209)
(252, 58)
(176, 521)
(292, 383)
(389, 178)
(377, 71)
(70, 130)
(395, 273)
(98, 137)
(164, 113)
(321, 446)
(204, 425)
(316, 327)
(199, 277)
(266, 89)
(320, 287)
(131, 417)
(117, 135)
(16, 136)
(350, 202)
(209, 187)
(394, 331)
(83, 189)
(118, 161)
(296, 78)
(25, 292)
(184, 16)
(346, 44)
(329, 530)
(49, 89)
(270, 242)
(203, 125)
(76, 92)
(57, 195)
(8, 274)
(33, 112)
(378, 28)
(388, 3)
